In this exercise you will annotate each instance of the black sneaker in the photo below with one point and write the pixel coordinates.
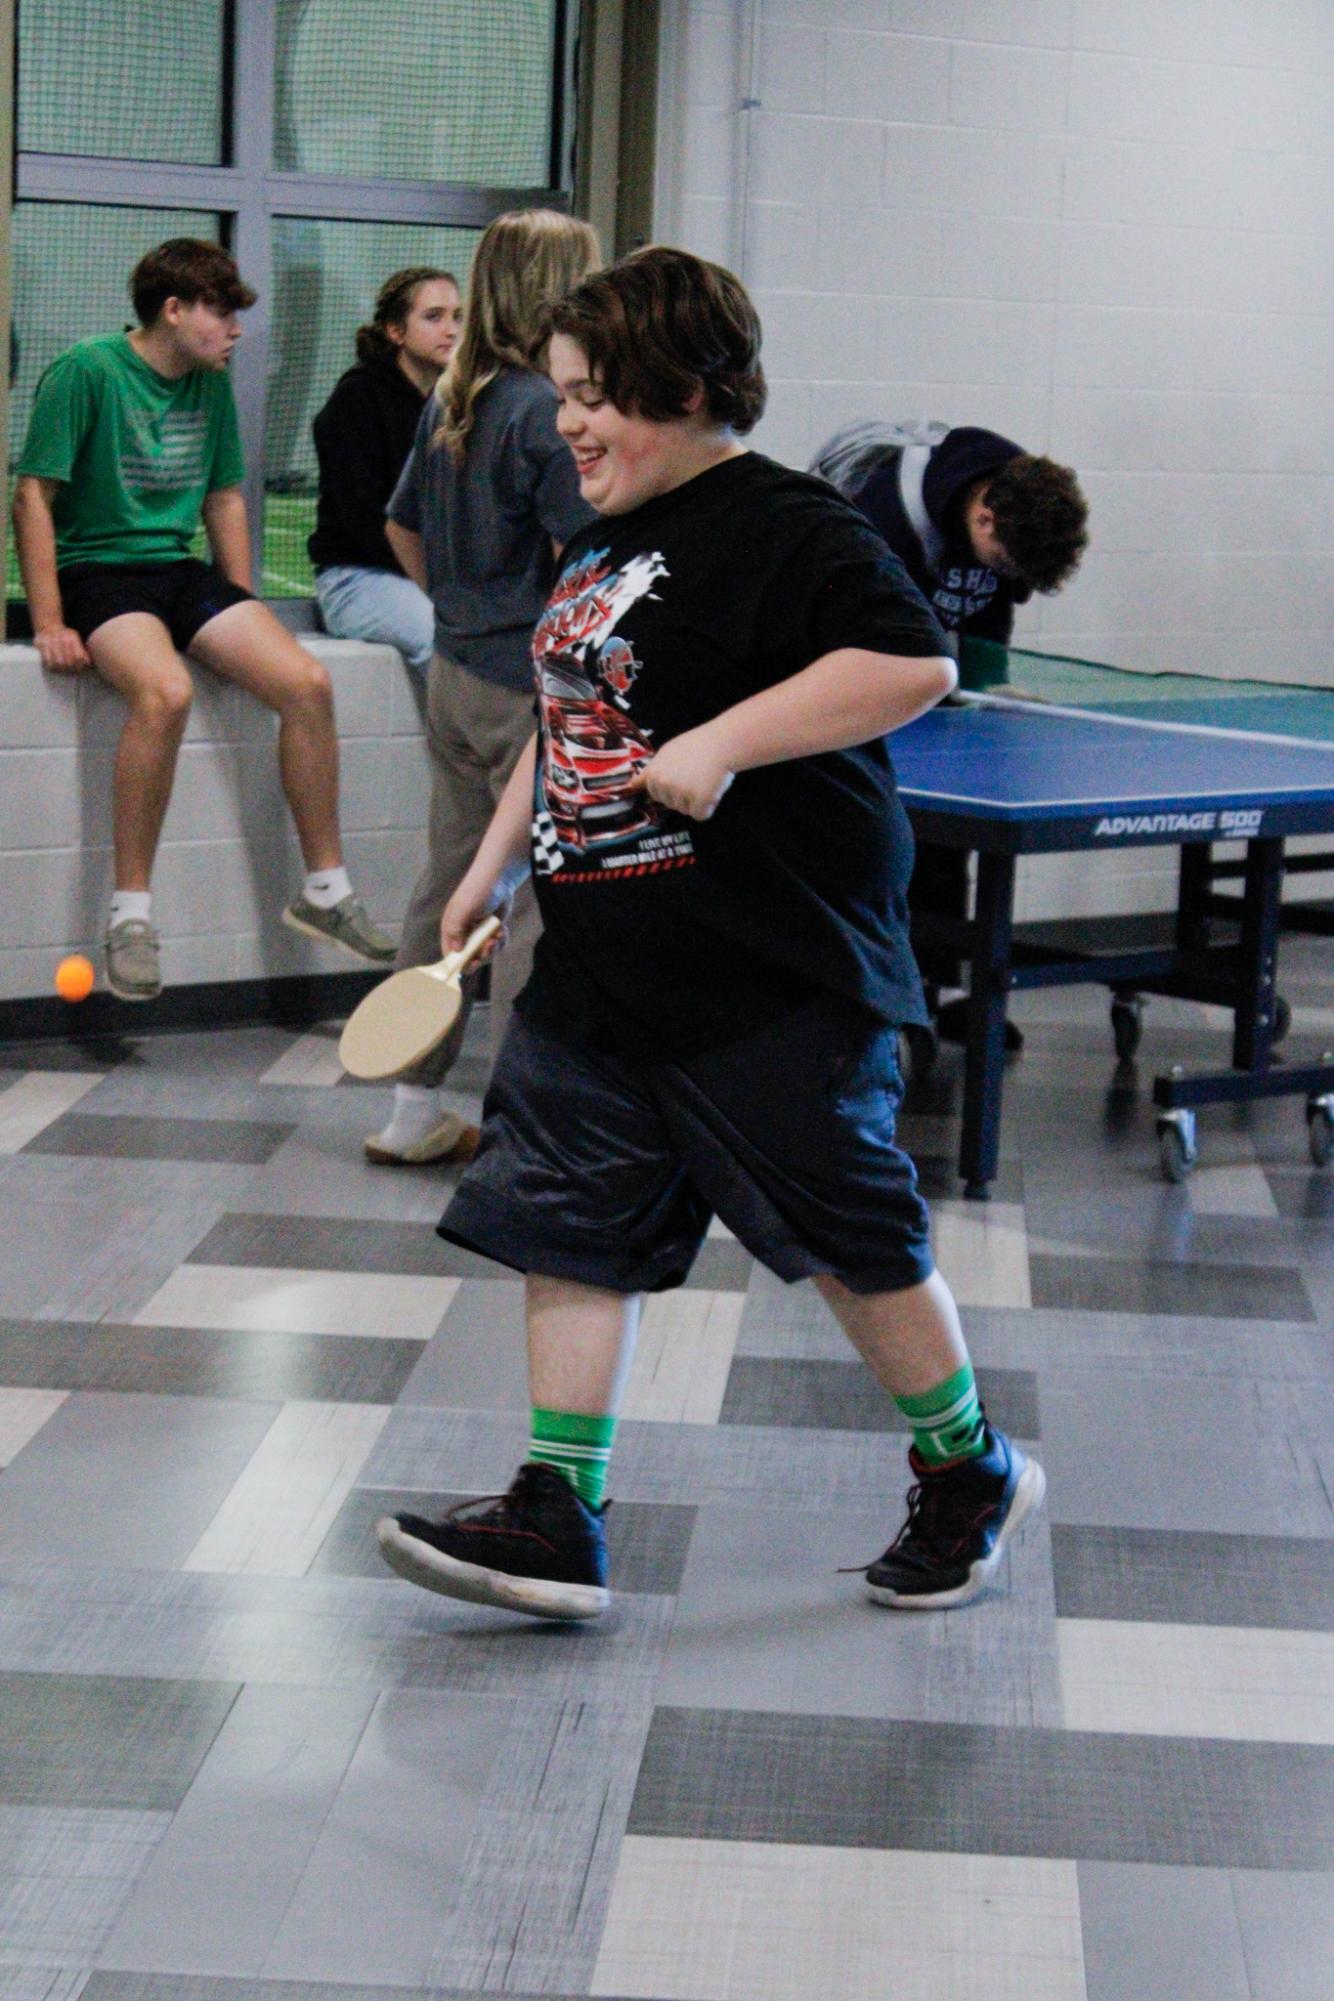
(537, 1549)
(959, 1521)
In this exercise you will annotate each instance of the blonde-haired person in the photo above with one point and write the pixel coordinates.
(362, 437)
(486, 500)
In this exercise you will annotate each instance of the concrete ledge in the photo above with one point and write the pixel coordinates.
(229, 859)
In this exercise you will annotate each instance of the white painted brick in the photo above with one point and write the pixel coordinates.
(1181, 430)
(784, 251)
(710, 149)
(710, 65)
(1034, 24)
(937, 340)
(195, 961)
(797, 159)
(834, 336)
(36, 709)
(40, 804)
(1017, 89)
(893, 251)
(53, 894)
(406, 704)
(787, 433)
(874, 15)
(365, 680)
(792, 67)
(887, 77)
(949, 168)
(409, 788)
(707, 228)
(1294, 34)
(1000, 258)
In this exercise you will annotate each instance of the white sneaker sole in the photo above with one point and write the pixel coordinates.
(335, 944)
(458, 1142)
(429, 1567)
(1028, 1496)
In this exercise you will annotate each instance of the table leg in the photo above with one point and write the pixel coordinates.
(984, 1062)
(1253, 1023)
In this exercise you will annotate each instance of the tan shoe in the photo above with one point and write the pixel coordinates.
(452, 1138)
(345, 925)
(133, 969)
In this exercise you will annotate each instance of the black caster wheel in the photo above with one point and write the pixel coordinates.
(1177, 1151)
(1127, 1026)
(1320, 1130)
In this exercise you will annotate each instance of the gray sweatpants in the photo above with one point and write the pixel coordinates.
(475, 733)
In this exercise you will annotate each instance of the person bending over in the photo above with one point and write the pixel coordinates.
(362, 437)
(979, 524)
(485, 499)
(133, 438)
(711, 1023)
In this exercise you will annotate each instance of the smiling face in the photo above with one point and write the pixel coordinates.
(430, 333)
(624, 459)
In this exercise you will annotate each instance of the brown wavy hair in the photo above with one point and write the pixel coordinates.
(1041, 519)
(188, 268)
(662, 325)
(393, 303)
(525, 260)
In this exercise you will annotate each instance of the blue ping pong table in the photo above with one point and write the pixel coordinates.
(1002, 778)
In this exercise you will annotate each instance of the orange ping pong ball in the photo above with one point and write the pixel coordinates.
(75, 977)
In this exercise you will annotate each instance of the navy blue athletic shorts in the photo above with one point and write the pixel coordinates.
(606, 1168)
(184, 595)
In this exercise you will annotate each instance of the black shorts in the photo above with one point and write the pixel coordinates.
(605, 1169)
(185, 595)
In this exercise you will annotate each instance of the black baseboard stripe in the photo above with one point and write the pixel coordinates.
(292, 1002)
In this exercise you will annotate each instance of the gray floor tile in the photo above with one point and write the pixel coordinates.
(1195, 1453)
(65, 1874)
(1124, 1285)
(478, 1357)
(42, 1982)
(844, 1396)
(938, 1177)
(318, 1631)
(1152, 1345)
(647, 1542)
(203, 1362)
(1282, 1582)
(767, 1621)
(74, 1740)
(122, 1137)
(113, 1986)
(322, 1243)
(1152, 1931)
(97, 1251)
(790, 1322)
(127, 1479)
(215, 1894)
(1287, 1933)
(849, 1782)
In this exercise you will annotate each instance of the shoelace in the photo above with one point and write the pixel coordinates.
(937, 1524)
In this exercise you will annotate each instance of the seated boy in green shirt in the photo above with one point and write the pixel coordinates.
(133, 440)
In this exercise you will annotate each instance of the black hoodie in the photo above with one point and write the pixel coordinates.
(362, 438)
(967, 597)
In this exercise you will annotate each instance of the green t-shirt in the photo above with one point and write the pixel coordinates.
(135, 453)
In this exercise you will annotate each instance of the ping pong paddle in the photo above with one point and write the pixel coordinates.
(410, 1014)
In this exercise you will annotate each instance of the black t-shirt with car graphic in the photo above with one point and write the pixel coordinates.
(668, 935)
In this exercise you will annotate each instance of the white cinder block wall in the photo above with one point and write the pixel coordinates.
(1103, 227)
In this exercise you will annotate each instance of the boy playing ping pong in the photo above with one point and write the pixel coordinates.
(711, 1025)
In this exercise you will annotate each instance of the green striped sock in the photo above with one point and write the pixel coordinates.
(577, 1446)
(947, 1422)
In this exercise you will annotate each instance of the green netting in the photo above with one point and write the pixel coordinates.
(444, 92)
(122, 79)
(1265, 708)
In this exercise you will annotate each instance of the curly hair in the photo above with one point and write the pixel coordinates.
(393, 302)
(1041, 519)
(662, 325)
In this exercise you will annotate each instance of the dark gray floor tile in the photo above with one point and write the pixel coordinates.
(478, 1356)
(1152, 1931)
(1287, 1933)
(202, 1362)
(722, 1266)
(243, 1142)
(127, 1479)
(1151, 1345)
(1303, 1192)
(335, 1243)
(112, 1986)
(938, 1177)
(844, 1396)
(1284, 1582)
(648, 1542)
(65, 1874)
(1122, 1285)
(964, 1788)
(99, 1741)
(214, 1895)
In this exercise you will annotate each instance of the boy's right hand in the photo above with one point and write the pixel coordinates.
(465, 910)
(61, 649)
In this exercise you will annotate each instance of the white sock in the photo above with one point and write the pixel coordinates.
(129, 904)
(327, 886)
(416, 1110)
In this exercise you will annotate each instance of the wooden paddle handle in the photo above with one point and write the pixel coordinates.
(454, 962)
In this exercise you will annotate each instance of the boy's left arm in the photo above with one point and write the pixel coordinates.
(228, 534)
(847, 697)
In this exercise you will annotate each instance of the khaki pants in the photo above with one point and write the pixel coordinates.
(475, 733)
